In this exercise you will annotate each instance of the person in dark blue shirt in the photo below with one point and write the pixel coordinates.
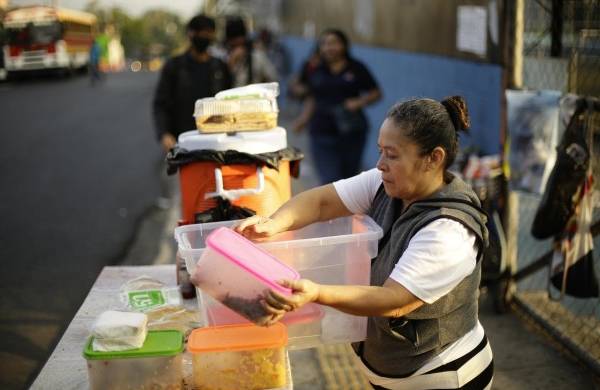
(340, 88)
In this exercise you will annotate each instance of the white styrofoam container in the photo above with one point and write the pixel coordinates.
(246, 142)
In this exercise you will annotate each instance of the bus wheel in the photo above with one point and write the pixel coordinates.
(69, 72)
(14, 76)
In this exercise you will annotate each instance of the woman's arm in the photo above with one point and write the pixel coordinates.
(363, 100)
(390, 300)
(308, 108)
(317, 204)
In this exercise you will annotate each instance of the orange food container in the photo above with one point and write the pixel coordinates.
(261, 189)
(243, 356)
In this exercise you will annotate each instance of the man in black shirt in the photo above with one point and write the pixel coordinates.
(186, 78)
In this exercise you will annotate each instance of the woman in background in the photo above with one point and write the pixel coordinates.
(339, 89)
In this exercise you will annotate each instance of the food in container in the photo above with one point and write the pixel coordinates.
(236, 272)
(242, 356)
(118, 330)
(214, 115)
(156, 365)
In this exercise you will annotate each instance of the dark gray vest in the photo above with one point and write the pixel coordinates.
(396, 347)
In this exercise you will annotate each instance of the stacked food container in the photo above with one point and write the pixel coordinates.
(237, 155)
(240, 357)
(156, 365)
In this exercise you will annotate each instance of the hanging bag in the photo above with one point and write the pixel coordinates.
(572, 268)
(569, 172)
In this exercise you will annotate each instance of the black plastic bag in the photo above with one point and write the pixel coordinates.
(178, 157)
(224, 211)
(580, 281)
(572, 161)
(572, 269)
(348, 121)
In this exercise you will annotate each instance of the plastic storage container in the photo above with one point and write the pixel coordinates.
(333, 252)
(214, 115)
(236, 272)
(239, 357)
(260, 189)
(156, 365)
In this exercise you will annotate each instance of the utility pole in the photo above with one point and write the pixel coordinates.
(512, 78)
(516, 25)
(556, 28)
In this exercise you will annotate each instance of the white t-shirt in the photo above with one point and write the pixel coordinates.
(438, 257)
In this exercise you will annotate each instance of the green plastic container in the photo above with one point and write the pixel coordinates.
(156, 365)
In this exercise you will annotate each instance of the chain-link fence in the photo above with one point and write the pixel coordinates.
(561, 52)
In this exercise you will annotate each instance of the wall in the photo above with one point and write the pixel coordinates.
(402, 75)
(419, 26)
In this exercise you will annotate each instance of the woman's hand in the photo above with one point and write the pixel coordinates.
(257, 227)
(298, 125)
(353, 104)
(168, 141)
(303, 291)
(236, 56)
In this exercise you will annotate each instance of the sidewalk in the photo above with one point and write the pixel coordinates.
(524, 358)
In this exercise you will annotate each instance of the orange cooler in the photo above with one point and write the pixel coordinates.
(261, 189)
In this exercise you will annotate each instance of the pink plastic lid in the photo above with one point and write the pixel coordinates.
(260, 264)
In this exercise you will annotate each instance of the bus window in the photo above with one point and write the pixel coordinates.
(45, 33)
(34, 34)
(17, 36)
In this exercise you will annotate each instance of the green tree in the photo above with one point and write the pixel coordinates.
(163, 31)
(157, 33)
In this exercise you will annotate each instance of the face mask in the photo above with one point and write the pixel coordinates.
(200, 43)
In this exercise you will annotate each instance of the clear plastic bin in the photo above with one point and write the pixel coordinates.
(213, 115)
(239, 357)
(332, 252)
(236, 272)
(156, 365)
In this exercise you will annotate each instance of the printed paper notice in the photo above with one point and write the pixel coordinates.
(471, 29)
(364, 18)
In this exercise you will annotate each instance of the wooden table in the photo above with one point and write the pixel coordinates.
(66, 368)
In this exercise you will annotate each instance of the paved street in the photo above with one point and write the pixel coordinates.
(79, 170)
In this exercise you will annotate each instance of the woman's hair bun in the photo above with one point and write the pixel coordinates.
(457, 109)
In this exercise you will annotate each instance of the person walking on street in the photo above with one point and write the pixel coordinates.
(340, 88)
(186, 78)
(247, 65)
(95, 54)
(275, 51)
(423, 327)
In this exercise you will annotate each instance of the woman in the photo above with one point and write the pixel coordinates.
(339, 88)
(423, 328)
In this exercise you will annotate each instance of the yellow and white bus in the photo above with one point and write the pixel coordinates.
(41, 37)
